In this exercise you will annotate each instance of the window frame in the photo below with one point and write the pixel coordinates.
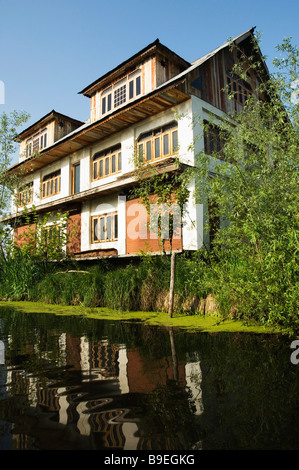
(37, 142)
(25, 195)
(51, 181)
(73, 186)
(119, 93)
(214, 142)
(237, 87)
(96, 228)
(103, 163)
(147, 147)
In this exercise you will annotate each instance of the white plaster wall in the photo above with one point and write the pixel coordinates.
(103, 206)
(85, 226)
(193, 235)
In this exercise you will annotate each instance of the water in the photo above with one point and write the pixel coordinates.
(73, 383)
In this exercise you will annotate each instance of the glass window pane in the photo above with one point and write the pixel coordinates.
(166, 144)
(120, 96)
(107, 166)
(157, 147)
(174, 141)
(138, 86)
(109, 102)
(113, 163)
(115, 226)
(77, 179)
(109, 227)
(140, 152)
(102, 228)
(101, 168)
(95, 230)
(148, 150)
(131, 90)
(95, 170)
(104, 105)
(119, 161)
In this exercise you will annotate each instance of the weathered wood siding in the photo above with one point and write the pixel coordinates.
(209, 81)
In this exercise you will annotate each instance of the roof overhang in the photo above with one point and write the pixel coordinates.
(44, 121)
(130, 63)
(88, 134)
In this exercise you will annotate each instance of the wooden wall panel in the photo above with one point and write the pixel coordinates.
(74, 233)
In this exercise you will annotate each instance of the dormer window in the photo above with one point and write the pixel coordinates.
(36, 143)
(43, 139)
(121, 92)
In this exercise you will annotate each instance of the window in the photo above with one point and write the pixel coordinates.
(158, 143)
(237, 87)
(76, 178)
(29, 148)
(36, 143)
(134, 85)
(50, 235)
(106, 163)
(120, 95)
(43, 139)
(128, 88)
(25, 195)
(213, 140)
(51, 184)
(104, 228)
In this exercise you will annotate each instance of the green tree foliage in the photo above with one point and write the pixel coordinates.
(9, 124)
(255, 193)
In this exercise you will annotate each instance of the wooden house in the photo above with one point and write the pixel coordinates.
(149, 102)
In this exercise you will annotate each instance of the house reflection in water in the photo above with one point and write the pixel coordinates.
(96, 399)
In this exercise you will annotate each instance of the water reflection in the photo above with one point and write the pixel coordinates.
(69, 383)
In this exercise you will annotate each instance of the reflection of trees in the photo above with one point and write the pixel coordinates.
(168, 419)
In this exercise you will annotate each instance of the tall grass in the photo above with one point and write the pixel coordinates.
(142, 285)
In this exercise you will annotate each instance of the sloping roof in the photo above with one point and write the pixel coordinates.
(44, 120)
(161, 98)
(154, 46)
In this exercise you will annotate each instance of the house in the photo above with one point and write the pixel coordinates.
(154, 102)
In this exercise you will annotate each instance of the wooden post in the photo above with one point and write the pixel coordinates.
(171, 289)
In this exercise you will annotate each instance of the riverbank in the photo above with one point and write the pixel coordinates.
(203, 297)
(192, 323)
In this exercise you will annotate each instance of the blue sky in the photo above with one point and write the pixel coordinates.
(52, 50)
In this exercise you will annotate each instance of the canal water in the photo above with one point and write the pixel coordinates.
(71, 383)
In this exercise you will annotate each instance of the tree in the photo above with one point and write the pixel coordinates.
(9, 123)
(255, 189)
(164, 194)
